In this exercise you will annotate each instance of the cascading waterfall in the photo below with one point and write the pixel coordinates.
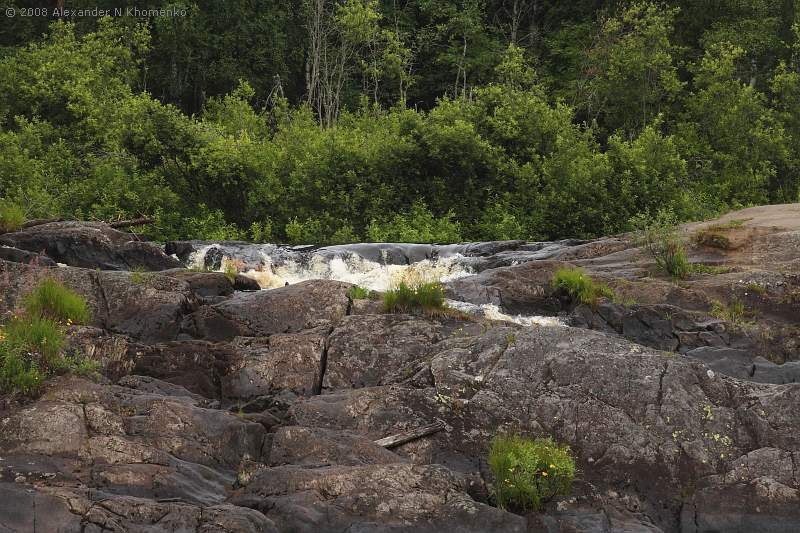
(275, 266)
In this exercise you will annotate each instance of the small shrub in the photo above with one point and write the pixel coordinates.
(12, 217)
(663, 243)
(427, 297)
(580, 285)
(357, 292)
(51, 299)
(529, 472)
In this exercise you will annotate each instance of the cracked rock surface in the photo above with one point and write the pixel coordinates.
(222, 410)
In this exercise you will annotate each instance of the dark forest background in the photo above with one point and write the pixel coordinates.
(413, 120)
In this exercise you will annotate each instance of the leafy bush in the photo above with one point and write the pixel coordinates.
(50, 299)
(12, 217)
(580, 285)
(662, 242)
(427, 297)
(529, 472)
(418, 225)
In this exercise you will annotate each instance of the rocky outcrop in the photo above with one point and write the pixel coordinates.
(285, 310)
(147, 306)
(222, 410)
(630, 414)
(90, 245)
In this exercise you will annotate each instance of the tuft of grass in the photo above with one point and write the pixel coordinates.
(425, 297)
(138, 275)
(32, 343)
(231, 268)
(698, 268)
(756, 288)
(43, 336)
(357, 292)
(50, 299)
(712, 239)
(12, 217)
(580, 285)
(529, 472)
(735, 223)
(733, 312)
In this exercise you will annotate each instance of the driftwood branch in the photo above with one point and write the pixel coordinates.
(133, 222)
(39, 222)
(117, 224)
(410, 435)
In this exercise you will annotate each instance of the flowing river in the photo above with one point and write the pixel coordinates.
(373, 266)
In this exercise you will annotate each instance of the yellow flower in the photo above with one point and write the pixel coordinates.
(552, 466)
(544, 473)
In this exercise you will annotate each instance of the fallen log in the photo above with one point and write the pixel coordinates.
(410, 435)
(133, 222)
(39, 222)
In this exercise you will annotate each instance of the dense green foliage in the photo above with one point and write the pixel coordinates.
(529, 472)
(339, 121)
(32, 343)
(12, 217)
(419, 297)
(580, 286)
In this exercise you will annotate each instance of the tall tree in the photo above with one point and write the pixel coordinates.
(629, 73)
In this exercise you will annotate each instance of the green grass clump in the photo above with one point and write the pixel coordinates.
(12, 217)
(36, 334)
(138, 275)
(32, 343)
(529, 472)
(357, 292)
(698, 268)
(733, 312)
(51, 299)
(756, 288)
(427, 297)
(735, 223)
(580, 285)
(712, 239)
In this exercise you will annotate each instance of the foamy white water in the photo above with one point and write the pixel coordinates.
(351, 268)
(277, 267)
(493, 312)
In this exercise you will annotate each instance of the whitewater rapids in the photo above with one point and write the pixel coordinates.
(273, 266)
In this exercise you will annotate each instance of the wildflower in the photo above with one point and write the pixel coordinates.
(544, 473)
(552, 466)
